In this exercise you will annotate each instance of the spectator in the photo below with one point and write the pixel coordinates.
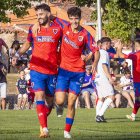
(12, 62)
(117, 96)
(126, 84)
(87, 88)
(3, 85)
(22, 90)
(2, 43)
(124, 67)
(31, 94)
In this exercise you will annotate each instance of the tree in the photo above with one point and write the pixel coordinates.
(120, 17)
(18, 7)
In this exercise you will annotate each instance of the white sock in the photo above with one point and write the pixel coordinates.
(45, 129)
(133, 115)
(105, 105)
(98, 106)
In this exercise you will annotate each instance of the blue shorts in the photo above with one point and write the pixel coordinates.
(43, 82)
(68, 81)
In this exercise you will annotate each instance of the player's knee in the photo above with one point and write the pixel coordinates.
(59, 101)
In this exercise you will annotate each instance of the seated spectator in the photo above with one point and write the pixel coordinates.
(124, 67)
(126, 83)
(87, 88)
(22, 89)
(117, 96)
(3, 85)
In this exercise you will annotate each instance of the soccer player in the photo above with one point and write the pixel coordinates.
(43, 64)
(72, 67)
(135, 57)
(104, 81)
(75, 41)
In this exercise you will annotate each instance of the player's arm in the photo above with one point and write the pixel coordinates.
(26, 45)
(96, 59)
(119, 46)
(90, 46)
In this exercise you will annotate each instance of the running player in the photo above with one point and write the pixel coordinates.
(43, 64)
(135, 57)
(72, 68)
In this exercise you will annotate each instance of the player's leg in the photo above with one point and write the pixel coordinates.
(137, 102)
(50, 91)
(127, 96)
(76, 81)
(61, 89)
(132, 94)
(38, 80)
(106, 104)
(77, 102)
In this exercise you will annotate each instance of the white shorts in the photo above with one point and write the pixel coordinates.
(25, 96)
(104, 88)
(3, 87)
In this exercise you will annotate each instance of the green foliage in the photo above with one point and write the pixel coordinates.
(18, 7)
(120, 17)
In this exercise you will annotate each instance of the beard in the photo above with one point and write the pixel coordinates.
(43, 21)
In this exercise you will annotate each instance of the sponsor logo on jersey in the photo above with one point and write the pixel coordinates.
(80, 38)
(70, 42)
(45, 39)
(55, 31)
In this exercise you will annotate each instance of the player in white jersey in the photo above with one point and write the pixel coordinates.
(104, 81)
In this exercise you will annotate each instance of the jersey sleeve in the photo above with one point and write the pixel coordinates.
(30, 35)
(90, 43)
(62, 23)
(129, 56)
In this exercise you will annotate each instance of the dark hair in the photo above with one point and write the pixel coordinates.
(127, 72)
(137, 40)
(98, 42)
(74, 11)
(16, 42)
(43, 6)
(105, 39)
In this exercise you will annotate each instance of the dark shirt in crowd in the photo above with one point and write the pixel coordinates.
(22, 86)
(3, 72)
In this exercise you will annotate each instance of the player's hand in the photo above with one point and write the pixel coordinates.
(83, 57)
(111, 80)
(118, 45)
(36, 29)
(94, 68)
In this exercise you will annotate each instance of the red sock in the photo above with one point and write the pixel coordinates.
(42, 115)
(136, 108)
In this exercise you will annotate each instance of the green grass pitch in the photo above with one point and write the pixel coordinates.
(23, 125)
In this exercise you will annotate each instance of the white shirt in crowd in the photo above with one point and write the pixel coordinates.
(125, 81)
